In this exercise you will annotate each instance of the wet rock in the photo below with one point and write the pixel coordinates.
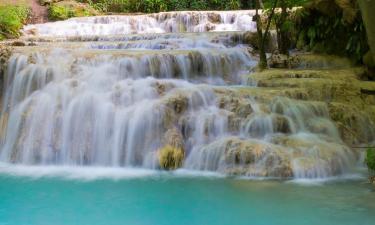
(251, 39)
(281, 124)
(233, 123)
(313, 156)
(239, 106)
(278, 61)
(18, 43)
(255, 158)
(249, 157)
(214, 17)
(5, 53)
(178, 103)
(160, 88)
(173, 137)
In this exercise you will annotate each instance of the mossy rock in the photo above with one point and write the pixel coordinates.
(67, 9)
(171, 158)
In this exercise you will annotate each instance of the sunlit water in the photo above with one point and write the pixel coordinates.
(117, 196)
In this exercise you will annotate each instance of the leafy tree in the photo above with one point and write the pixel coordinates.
(263, 36)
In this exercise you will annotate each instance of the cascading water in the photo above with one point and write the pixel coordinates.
(165, 22)
(109, 90)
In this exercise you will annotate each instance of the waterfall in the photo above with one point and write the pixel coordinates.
(109, 90)
(165, 22)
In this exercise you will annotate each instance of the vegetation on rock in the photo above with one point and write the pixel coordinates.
(171, 158)
(66, 9)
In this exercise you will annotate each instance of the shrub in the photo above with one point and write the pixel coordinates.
(12, 18)
(370, 158)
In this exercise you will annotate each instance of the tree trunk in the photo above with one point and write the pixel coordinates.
(263, 37)
(367, 8)
(262, 51)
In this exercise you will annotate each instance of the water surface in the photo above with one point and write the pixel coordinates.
(167, 199)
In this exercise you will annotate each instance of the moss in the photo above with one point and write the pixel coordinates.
(67, 9)
(171, 158)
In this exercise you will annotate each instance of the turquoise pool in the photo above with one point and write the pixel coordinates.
(95, 197)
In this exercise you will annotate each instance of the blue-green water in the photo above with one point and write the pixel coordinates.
(167, 199)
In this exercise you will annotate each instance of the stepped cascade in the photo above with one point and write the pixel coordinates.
(115, 90)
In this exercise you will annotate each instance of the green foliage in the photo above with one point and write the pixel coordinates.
(12, 18)
(370, 158)
(155, 6)
(332, 33)
(290, 3)
(67, 9)
(150, 6)
(56, 12)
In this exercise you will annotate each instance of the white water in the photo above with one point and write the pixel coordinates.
(110, 101)
(149, 23)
